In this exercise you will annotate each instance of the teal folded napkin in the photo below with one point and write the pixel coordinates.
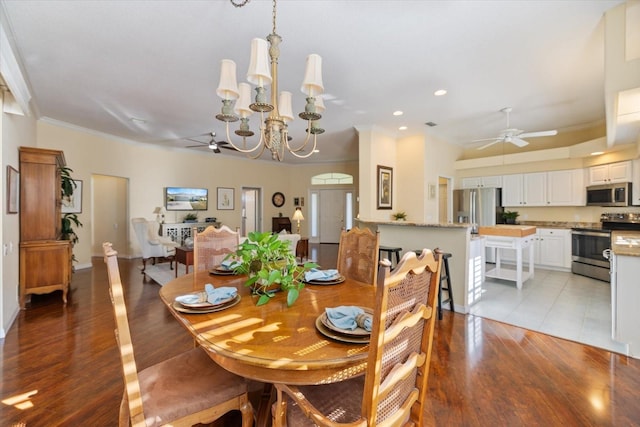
(211, 295)
(316, 274)
(349, 317)
(230, 264)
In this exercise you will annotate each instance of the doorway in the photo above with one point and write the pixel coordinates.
(331, 211)
(251, 213)
(110, 211)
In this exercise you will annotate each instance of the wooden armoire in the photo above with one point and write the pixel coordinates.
(45, 260)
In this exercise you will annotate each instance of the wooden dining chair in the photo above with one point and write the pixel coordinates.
(185, 390)
(212, 245)
(358, 254)
(394, 388)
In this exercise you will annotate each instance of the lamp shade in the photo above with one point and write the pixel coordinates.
(242, 105)
(228, 86)
(312, 83)
(259, 72)
(158, 210)
(284, 106)
(297, 215)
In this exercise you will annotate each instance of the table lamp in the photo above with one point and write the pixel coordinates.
(297, 216)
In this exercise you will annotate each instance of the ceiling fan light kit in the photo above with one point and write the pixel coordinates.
(263, 71)
(513, 135)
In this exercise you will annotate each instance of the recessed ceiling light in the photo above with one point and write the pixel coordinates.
(440, 92)
(137, 120)
(402, 128)
(398, 113)
(316, 151)
(597, 153)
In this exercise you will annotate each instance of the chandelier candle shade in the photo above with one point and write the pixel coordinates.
(275, 113)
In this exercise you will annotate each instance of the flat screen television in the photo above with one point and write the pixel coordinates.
(186, 199)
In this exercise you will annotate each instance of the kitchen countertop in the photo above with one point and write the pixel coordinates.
(561, 224)
(625, 242)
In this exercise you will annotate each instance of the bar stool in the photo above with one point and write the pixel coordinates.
(390, 250)
(444, 276)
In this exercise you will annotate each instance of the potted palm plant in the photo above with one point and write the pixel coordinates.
(271, 266)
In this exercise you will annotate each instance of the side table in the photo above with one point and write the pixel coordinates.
(184, 255)
(302, 248)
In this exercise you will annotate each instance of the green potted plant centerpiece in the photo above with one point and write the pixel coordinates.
(510, 217)
(271, 266)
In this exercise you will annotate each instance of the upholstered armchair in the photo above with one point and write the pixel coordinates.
(152, 245)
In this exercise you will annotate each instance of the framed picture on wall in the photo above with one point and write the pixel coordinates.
(13, 190)
(385, 187)
(225, 198)
(73, 204)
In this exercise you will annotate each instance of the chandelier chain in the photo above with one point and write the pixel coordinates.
(274, 17)
(237, 3)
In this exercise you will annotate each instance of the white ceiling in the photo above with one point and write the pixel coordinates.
(97, 64)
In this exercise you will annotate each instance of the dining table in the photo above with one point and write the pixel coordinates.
(275, 343)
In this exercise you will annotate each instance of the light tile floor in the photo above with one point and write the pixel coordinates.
(557, 303)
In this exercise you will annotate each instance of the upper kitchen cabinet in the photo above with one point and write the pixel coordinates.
(610, 173)
(527, 189)
(556, 188)
(566, 188)
(482, 182)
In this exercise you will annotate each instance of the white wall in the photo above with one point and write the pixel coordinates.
(15, 131)
(150, 168)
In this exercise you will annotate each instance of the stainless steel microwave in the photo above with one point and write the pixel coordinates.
(609, 194)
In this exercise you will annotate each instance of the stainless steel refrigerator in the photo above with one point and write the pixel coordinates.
(479, 206)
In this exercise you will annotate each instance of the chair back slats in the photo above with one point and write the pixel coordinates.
(212, 245)
(123, 337)
(358, 254)
(401, 340)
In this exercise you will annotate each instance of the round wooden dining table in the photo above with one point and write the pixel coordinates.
(274, 343)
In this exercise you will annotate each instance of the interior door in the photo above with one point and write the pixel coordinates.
(332, 208)
(251, 216)
(109, 207)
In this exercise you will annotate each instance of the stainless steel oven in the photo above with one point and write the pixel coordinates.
(587, 246)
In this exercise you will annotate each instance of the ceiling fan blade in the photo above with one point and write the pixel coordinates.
(536, 134)
(495, 141)
(487, 139)
(202, 145)
(517, 141)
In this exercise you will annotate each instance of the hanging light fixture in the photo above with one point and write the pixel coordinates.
(263, 71)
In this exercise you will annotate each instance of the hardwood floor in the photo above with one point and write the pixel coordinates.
(60, 365)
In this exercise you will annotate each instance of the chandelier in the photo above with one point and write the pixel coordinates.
(263, 71)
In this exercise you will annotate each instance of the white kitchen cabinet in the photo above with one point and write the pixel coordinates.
(512, 190)
(482, 182)
(566, 188)
(552, 249)
(610, 173)
(625, 297)
(635, 183)
(555, 188)
(528, 189)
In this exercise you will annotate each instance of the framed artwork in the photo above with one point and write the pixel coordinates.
(13, 190)
(73, 204)
(385, 187)
(225, 198)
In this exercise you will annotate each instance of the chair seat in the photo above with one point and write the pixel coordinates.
(343, 400)
(185, 384)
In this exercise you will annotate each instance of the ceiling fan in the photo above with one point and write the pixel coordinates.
(213, 145)
(513, 135)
